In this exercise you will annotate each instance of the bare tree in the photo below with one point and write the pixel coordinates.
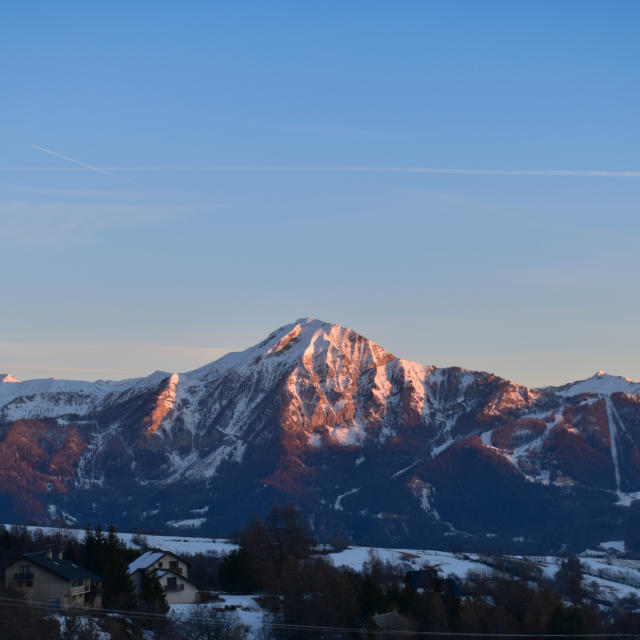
(210, 623)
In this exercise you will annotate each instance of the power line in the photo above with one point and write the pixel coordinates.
(41, 605)
(454, 634)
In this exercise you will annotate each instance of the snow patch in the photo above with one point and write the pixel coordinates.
(190, 523)
(349, 435)
(401, 471)
(612, 417)
(315, 440)
(195, 467)
(338, 503)
(201, 510)
(625, 499)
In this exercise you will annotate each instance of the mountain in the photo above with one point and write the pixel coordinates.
(371, 446)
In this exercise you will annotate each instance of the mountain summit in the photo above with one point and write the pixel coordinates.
(382, 449)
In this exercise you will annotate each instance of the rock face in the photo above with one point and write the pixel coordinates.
(384, 450)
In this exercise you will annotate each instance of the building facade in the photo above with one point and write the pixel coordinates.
(54, 580)
(171, 572)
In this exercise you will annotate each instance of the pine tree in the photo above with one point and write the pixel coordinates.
(105, 555)
(568, 580)
(152, 598)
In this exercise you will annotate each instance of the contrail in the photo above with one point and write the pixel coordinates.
(580, 173)
(585, 173)
(82, 164)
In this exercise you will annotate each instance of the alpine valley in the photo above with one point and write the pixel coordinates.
(370, 446)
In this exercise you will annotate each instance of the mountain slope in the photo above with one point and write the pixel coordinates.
(380, 448)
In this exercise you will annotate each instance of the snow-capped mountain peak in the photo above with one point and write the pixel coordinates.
(316, 410)
(289, 345)
(600, 383)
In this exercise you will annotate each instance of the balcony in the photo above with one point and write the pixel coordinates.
(23, 576)
(77, 591)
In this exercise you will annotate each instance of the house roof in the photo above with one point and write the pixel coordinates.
(145, 560)
(62, 567)
(149, 557)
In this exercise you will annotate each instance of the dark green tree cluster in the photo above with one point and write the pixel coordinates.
(106, 555)
(276, 557)
(17, 540)
(568, 580)
(267, 552)
(152, 598)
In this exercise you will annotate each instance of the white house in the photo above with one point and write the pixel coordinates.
(171, 571)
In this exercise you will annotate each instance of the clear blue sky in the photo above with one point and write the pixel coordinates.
(237, 140)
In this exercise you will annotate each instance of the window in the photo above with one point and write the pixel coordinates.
(25, 573)
(173, 564)
(160, 564)
(76, 582)
(172, 584)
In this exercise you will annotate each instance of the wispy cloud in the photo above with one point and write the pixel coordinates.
(83, 194)
(352, 132)
(66, 222)
(106, 172)
(580, 173)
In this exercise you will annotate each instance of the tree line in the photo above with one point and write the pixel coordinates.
(279, 560)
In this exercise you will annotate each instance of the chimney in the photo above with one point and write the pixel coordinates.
(49, 554)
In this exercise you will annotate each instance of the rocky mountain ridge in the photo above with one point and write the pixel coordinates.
(372, 446)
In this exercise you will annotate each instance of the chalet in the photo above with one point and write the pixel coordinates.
(171, 571)
(51, 578)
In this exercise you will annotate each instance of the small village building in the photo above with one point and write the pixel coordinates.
(171, 571)
(390, 621)
(55, 580)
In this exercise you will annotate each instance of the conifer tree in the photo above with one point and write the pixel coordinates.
(105, 555)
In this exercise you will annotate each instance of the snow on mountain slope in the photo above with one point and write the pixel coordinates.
(51, 398)
(600, 383)
(317, 410)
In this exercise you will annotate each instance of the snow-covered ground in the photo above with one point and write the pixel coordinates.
(249, 612)
(85, 624)
(448, 563)
(176, 544)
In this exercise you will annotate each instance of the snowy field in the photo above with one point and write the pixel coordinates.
(176, 544)
(448, 563)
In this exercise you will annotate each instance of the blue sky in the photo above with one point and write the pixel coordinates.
(255, 160)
